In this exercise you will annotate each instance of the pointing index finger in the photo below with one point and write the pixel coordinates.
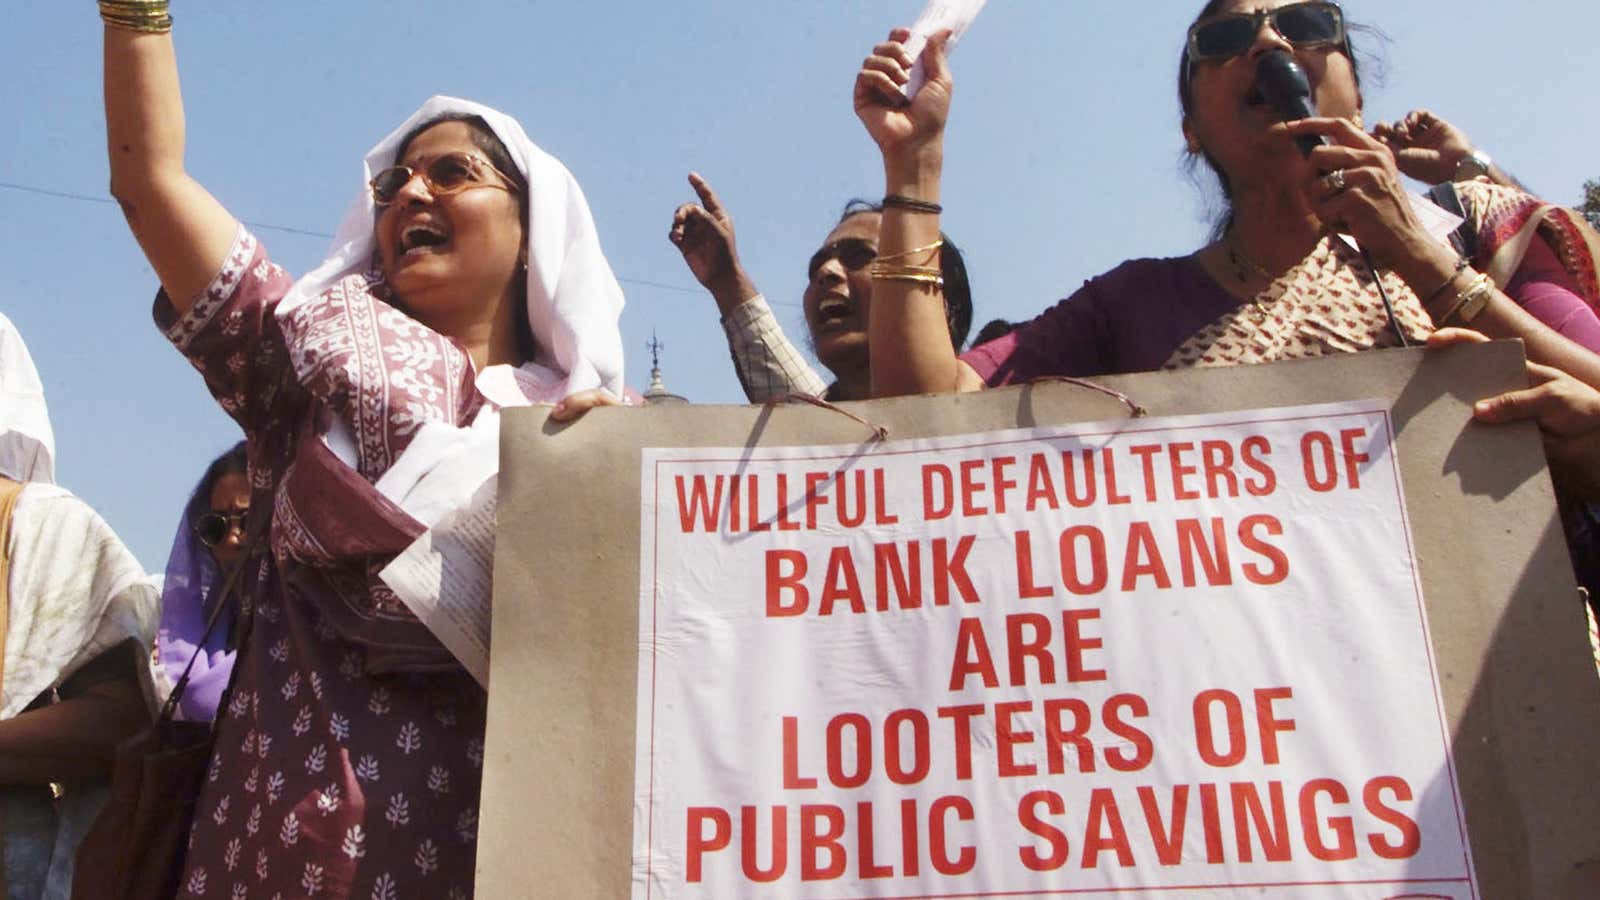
(708, 197)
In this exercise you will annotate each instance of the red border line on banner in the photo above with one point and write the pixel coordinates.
(1079, 892)
(1427, 643)
(1381, 411)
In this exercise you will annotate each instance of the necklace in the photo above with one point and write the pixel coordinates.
(1243, 265)
(1244, 268)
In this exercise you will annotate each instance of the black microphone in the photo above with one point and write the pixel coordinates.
(1285, 86)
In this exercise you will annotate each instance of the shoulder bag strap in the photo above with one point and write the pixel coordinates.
(225, 599)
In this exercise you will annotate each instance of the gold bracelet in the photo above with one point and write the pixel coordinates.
(1471, 301)
(916, 274)
(1462, 264)
(913, 252)
(144, 16)
(936, 281)
(883, 268)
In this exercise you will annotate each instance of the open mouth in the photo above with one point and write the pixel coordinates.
(422, 238)
(835, 313)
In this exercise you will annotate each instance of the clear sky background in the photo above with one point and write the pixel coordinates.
(1063, 159)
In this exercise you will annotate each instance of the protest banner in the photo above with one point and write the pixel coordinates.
(1241, 651)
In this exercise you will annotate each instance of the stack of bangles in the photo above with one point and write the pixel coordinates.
(147, 16)
(885, 268)
(1469, 301)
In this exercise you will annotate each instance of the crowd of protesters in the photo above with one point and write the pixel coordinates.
(467, 277)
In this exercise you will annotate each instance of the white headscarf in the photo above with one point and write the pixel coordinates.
(574, 300)
(27, 446)
(574, 304)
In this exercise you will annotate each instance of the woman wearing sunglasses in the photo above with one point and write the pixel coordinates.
(466, 277)
(1278, 281)
(209, 542)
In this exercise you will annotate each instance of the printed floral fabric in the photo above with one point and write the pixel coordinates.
(1326, 304)
(349, 754)
(1507, 219)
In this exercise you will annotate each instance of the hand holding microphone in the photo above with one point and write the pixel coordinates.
(1357, 188)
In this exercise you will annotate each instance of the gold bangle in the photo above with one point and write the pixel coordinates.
(913, 252)
(145, 16)
(879, 268)
(157, 26)
(1462, 265)
(936, 281)
(916, 274)
(1470, 302)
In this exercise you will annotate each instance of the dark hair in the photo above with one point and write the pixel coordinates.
(952, 265)
(231, 462)
(484, 138)
(1186, 100)
(993, 330)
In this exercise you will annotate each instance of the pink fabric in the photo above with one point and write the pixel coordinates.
(1547, 291)
(349, 757)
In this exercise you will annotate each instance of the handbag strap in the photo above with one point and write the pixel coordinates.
(258, 528)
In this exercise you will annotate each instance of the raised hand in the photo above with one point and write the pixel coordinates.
(703, 233)
(904, 130)
(1425, 146)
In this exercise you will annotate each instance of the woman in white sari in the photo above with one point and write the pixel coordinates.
(76, 616)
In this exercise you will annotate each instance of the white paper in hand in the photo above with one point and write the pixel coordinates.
(938, 15)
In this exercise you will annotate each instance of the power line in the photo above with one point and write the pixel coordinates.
(302, 232)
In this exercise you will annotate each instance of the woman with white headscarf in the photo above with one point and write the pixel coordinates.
(466, 278)
(76, 612)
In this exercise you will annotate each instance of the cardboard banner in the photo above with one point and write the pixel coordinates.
(1306, 631)
(1179, 653)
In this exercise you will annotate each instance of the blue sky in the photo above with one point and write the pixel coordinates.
(1063, 160)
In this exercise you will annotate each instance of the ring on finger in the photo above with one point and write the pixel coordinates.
(1335, 181)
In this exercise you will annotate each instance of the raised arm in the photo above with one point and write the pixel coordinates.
(1434, 151)
(910, 339)
(184, 232)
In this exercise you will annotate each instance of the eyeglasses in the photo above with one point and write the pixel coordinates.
(450, 173)
(1304, 25)
(852, 253)
(213, 528)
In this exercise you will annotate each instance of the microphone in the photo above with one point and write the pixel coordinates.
(1285, 86)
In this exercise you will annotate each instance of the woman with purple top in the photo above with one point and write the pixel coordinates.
(209, 542)
(1281, 280)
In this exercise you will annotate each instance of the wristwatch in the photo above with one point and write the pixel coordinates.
(1475, 164)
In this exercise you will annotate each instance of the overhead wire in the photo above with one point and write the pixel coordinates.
(303, 232)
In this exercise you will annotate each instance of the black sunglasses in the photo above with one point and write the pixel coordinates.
(852, 253)
(213, 528)
(1304, 25)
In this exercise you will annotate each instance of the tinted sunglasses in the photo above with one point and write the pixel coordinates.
(1304, 25)
(852, 253)
(450, 173)
(213, 528)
